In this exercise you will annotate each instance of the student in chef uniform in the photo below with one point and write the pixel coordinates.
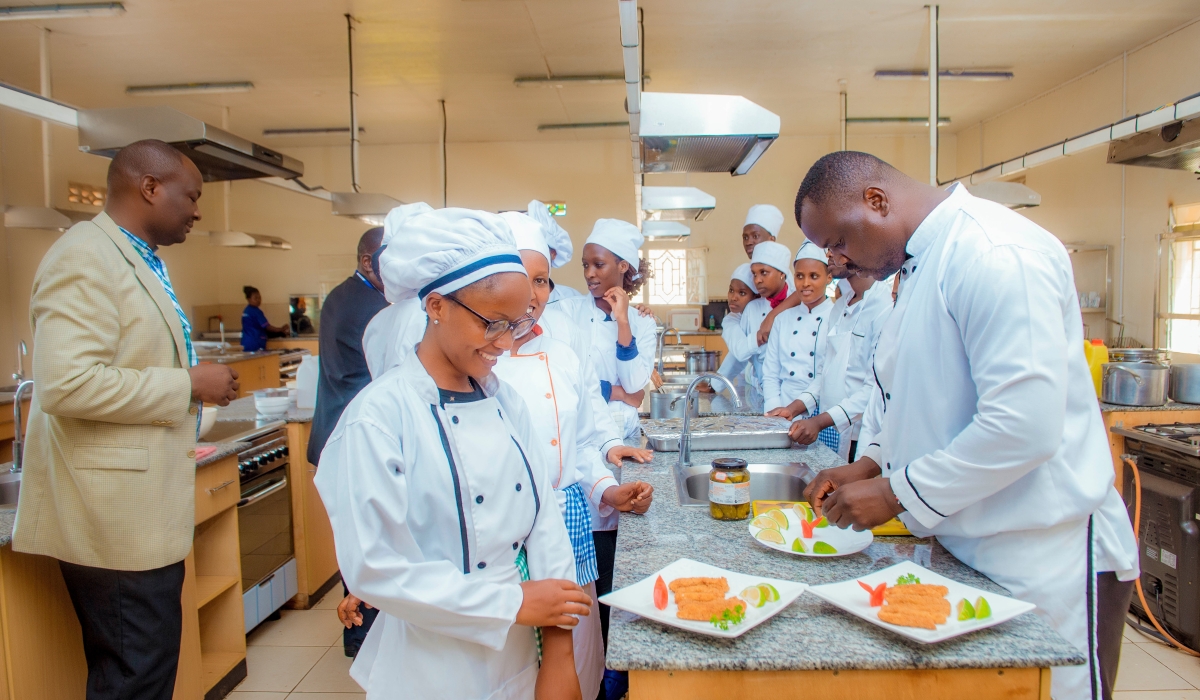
(763, 222)
(481, 558)
(844, 384)
(559, 242)
(770, 266)
(620, 341)
(984, 426)
(796, 354)
(739, 344)
(556, 387)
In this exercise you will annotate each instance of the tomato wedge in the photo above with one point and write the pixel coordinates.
(660, 594)
(806, 528)
(876, 593)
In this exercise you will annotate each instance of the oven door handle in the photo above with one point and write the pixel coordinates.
(282, 483)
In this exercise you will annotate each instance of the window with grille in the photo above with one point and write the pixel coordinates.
(1181, 320)
(677, 276)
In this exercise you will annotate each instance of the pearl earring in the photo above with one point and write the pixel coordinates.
(435, 321)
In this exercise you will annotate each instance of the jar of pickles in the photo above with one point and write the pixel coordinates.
(729, 489)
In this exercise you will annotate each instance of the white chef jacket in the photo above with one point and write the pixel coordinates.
(594, 333)
(740, 346)
(794, 353)
(985, 420)
(391, 335)
(561, 291)
(442, 572)
(845, 382)
(557, 388)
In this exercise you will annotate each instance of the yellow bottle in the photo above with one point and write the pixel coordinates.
(1097, 355)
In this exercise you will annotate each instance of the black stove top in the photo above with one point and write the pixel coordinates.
(1181, 437)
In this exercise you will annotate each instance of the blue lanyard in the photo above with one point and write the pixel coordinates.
(365, 280)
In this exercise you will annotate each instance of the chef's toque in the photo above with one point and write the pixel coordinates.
(766, 215)
(556, 236)
(773, 254)
(527, 233)
(810, 251)
(743, 274)
(620, 237)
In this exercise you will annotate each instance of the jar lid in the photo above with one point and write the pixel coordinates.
(729, 463)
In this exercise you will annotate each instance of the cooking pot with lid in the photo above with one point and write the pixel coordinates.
(700, 361)
(1155, 355)
(1185, 383)
(1134, 383)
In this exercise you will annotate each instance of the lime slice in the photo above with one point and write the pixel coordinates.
(779, 517)
(753, 596)
(769, 592)
(803, 510)
(820, 547)
(770, 535)
(766, 522)
(982, 610)
(822, 522)
(966, 611)
(798, 546)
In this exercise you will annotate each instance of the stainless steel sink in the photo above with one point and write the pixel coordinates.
(768, 482)
(10, 485)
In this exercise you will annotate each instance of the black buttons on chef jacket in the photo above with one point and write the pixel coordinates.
(454, 420)
(514, 545)
(810, 375)
(793, 354)
(887, 396)
(481, 565)
(479, 499)
(518, 487)
(814, 333)
(795, 332)
(791, 374)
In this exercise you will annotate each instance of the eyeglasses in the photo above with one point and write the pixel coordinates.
(494, 329)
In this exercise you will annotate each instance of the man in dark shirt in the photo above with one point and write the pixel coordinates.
(343, 367)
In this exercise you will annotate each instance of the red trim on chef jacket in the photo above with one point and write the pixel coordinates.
(778, 298)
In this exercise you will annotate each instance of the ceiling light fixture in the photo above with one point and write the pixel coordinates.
(558, 81)
(580, 125)
(61, 11)
(315, 131)
(946, 74)
(942, 121)
(189, 88)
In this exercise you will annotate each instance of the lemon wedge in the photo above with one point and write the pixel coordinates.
(753, 596)
(770, 535)
(766, 522)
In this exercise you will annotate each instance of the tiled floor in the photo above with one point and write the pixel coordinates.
(300, 658)
(1151, 670)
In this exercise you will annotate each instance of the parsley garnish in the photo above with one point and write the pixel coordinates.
(729, 617)
(907, 578)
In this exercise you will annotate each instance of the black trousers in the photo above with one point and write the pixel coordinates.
(132, 622)
(606, 557)
(1112, 602)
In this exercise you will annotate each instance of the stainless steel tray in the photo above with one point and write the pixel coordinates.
(723, 432)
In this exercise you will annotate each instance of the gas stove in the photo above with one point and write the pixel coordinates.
(266, 444)
(1180, 437)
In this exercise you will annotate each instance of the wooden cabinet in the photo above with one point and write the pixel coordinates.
(316, 560)
(42, 640)
(8, 429)
(310, 344)
(261, 372)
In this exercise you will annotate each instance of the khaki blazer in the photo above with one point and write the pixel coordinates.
(110, 463)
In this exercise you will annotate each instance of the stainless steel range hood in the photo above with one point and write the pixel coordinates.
(1175, 145)
(241, 239)
(703, 133)
(676, 203)
(368, 207)
(218, 154)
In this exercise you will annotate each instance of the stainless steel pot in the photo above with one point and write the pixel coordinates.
(1134, 383)
(1185, 383)
(699, 361)
(1156, 355)
(669, 404)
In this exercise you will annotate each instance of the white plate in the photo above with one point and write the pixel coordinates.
(638, 598)
(844, 541)
(849, 596)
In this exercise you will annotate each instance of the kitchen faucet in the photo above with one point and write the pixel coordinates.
(662, 337)
(22, 351)
(685, 435)
(18, 438)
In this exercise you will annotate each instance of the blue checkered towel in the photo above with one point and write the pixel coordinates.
(579, 528)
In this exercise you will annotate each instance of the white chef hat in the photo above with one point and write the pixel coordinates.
(526, 232)
(774, 254)
(766, 215)
(444, 250)
(620, 237)
(810, 251)
(557, 237)
(743, 274)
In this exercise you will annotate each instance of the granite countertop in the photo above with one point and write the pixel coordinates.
(231, 357)
(224, 449)
(243, 409)
(1168, 406)
(8, 516)
(809, 634)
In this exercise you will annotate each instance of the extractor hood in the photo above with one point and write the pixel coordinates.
(665, 229)
(1013, 195)
(368, 207)
(703, 133)
(1175, 146)
(239, 239)
(218, 154)
(676, 203)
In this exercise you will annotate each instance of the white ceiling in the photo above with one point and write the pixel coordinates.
(784, 54)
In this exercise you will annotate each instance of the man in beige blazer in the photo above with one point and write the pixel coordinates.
(110, 457)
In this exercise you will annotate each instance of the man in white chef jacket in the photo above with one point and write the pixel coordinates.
(984, 428)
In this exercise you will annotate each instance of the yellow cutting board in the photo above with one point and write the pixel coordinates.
(892, 528)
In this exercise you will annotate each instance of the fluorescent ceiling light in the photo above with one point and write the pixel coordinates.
(752, 157)
(557, 81)
(371, 208)
(580, 125)
(189, 88)
(61, 11)
(942, 121)
(665, 229)
(946, 74)
(315, 131)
